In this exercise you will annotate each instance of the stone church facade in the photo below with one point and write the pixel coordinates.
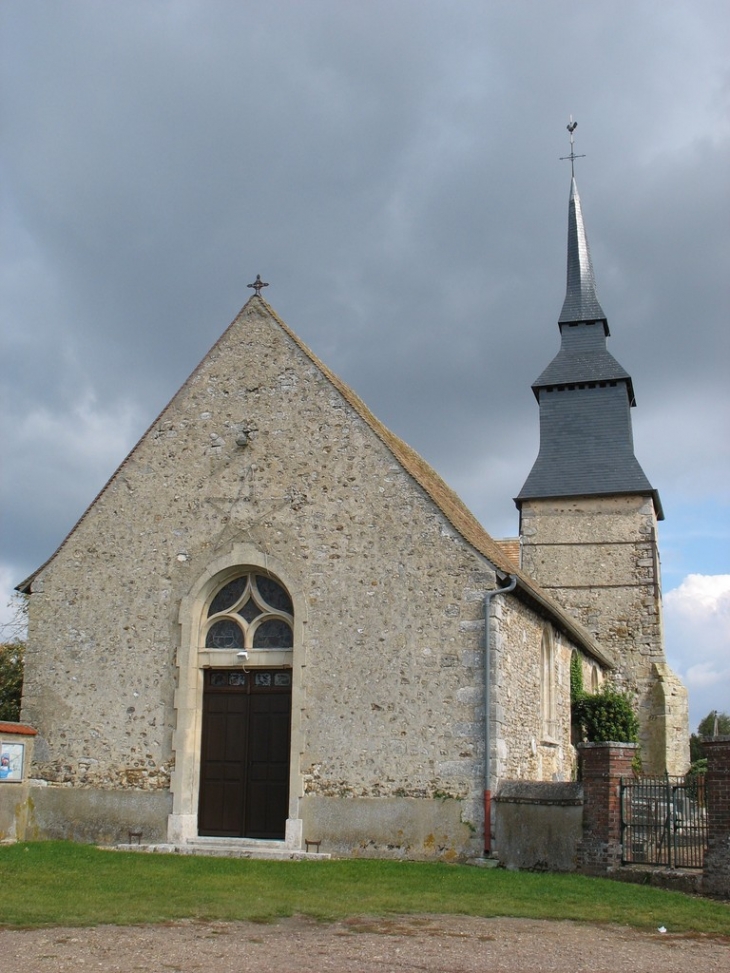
(276, 624)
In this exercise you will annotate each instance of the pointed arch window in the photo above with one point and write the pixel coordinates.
(595, 679)
(252, 611)
(548, 702)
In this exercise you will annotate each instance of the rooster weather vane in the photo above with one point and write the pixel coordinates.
(571, 128)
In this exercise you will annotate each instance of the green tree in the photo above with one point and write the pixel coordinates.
(706, 728)
(11, 680)
(12, 650)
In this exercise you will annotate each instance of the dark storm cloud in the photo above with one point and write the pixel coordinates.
(392, 169)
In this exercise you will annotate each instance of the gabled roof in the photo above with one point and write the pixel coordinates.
(511, 547)
(449, 503)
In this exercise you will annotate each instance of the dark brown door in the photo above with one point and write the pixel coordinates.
(244, 774)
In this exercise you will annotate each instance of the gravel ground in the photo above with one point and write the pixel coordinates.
(362, 945)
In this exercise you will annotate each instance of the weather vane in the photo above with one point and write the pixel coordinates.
(571, 128)
(257, 285)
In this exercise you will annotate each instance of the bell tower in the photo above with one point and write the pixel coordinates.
(588, 514)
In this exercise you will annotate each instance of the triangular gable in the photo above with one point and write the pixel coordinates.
(448, 502)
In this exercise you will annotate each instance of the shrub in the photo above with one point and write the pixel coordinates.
(607, 715)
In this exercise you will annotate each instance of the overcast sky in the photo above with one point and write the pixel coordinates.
(392, 169)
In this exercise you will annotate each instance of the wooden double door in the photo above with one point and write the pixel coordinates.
(244, 773)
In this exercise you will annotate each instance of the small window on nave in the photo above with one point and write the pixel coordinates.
(548, 702)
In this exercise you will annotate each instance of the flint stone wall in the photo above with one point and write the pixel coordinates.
(259, 448)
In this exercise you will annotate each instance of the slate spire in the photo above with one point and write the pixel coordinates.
(586, 439)
(581, 303)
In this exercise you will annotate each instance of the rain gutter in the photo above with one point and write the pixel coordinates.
(488, 711)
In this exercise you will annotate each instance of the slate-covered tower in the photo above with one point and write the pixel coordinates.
(588, 514)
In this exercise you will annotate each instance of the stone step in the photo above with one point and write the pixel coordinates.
(229, 848)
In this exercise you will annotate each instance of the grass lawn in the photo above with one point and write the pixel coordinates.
(59, 883)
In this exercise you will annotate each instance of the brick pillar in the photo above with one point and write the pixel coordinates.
(602, 767)
(716, 878)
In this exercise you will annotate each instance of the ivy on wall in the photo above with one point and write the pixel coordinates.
(602, 717)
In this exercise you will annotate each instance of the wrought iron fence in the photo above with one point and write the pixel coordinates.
(664, 821)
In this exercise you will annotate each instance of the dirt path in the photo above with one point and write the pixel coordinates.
(362, 945)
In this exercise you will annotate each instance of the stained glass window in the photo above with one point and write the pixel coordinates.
(273, 634)
(224, 635)
(228, 595)
(251, 611)
(273, 594)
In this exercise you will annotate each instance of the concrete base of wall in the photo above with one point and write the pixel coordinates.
(687, 880)
(98, 816)
(14, 792)
(13, 811)
(389, 827)
(537, 825)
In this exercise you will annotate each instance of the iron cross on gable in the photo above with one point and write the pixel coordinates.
(257, 285)
(571, 128)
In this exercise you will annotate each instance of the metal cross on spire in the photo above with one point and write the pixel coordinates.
(571, 128)
(257, 285)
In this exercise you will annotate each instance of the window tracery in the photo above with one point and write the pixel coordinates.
(252, 611)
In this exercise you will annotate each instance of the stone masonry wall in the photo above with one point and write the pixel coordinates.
(598, 557)
(525, 748)
(259, 447)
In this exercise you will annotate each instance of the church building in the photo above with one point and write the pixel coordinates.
(277, 625)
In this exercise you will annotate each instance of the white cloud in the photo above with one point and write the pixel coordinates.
(697, 623)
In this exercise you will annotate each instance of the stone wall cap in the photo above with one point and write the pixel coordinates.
(609, 743)
(724, 738)
(21, 729)
(540, 792)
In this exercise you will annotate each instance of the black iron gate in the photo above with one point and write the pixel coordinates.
(663, 821)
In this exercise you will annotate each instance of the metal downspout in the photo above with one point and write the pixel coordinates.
(488, 711)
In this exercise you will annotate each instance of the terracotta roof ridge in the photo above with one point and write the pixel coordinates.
(21, 729)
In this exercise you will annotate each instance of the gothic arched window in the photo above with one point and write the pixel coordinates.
(548, 705)
(250, 612)
(595, 679)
